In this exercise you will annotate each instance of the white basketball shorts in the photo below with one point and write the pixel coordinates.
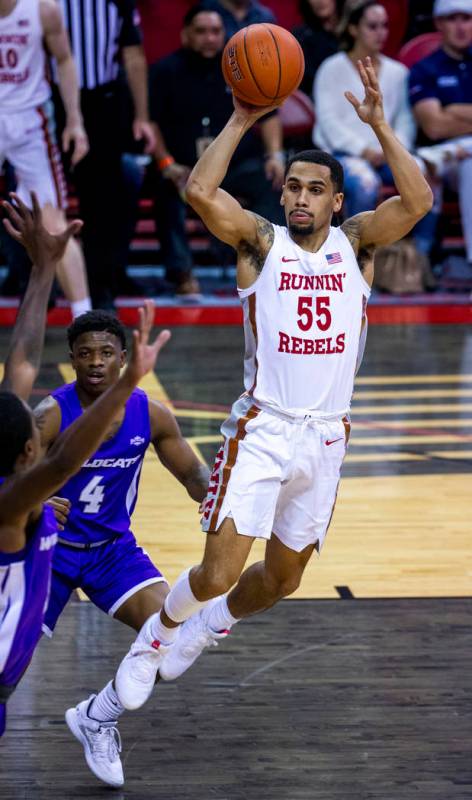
(28, 142)
(276, 475)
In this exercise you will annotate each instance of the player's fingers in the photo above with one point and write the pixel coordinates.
(372, 75)
(65, 141)
(148, 316)
(12, 231)
(73, 229)
(13, 214)
(18, 204)
(37, 212)
(362, 73)
(352, 99)
(161, 340)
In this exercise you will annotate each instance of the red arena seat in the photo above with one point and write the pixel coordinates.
(418, 48)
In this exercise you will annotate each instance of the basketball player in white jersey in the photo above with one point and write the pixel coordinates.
(29, 28)
(304, 290)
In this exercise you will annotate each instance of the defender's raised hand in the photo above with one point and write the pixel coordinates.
(26, 226)
(144, 355)
(370, 110)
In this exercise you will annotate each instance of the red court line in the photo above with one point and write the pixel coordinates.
(232, 315)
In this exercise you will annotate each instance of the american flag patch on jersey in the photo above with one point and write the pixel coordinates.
(334, 258)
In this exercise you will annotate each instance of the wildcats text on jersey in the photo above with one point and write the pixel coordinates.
(122, 463)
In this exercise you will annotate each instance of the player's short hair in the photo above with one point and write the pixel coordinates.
(16, 428)
(200, 8)
(326, 160)
(93, 321)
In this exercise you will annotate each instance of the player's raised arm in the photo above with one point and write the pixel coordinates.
(395, 217)
(221, 212)
(45, 251)
(82, 438)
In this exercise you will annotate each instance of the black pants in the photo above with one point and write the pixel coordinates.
(101, 190)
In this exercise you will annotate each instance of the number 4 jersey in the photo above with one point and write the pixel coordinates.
(103, 493)
(305, 326)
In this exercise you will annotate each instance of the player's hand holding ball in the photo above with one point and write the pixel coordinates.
(263, 64)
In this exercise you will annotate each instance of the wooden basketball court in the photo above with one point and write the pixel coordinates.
(359, 687)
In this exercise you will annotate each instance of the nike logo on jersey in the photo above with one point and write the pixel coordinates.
(137, 440)
(286, 260)
(332, 441)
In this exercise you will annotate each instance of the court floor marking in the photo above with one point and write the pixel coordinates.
(367, 380)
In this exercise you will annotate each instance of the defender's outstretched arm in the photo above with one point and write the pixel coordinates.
(45, 251)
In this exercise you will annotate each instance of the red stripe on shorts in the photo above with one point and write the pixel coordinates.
(233, 445)
(52, 151)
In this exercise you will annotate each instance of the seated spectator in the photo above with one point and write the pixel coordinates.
(191, 103)
(236, 14)
(363, 33)
(317, 35)
(441, 96)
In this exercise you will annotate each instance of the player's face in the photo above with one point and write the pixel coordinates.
(456, 30)
(205, 34)
(372, 31)
(309, 198)
(97, 359)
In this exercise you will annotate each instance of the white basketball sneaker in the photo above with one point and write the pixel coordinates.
(136, 674)
(101, 742)
(195, 635)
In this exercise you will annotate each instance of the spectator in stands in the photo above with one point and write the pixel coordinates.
(441, 95)
(100, 40)
(364, 30)
(236, 14)
(190, 103)
(317, 35)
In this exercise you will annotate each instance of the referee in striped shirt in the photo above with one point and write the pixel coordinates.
(103, 34)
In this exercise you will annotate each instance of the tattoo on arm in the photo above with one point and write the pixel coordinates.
(352, 229)
(256, 253)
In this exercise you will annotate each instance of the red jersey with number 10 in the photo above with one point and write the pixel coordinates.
(305, 326)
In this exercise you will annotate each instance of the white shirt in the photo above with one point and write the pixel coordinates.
(337, 127)
(23, 83)
(305, 327)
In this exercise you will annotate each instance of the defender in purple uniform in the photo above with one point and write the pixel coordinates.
(96, 550)
(28, 529)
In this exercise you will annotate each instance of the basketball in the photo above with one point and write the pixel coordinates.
(263, 64)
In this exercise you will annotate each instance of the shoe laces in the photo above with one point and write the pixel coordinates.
(197, 642)
(105, 743)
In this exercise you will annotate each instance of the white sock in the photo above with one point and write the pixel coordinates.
(181, 602)
(79, 307)
(160, 631)
(105, 707)
(218, 617)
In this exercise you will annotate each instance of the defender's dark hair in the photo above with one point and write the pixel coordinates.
(310, 18)
(16, 428)
(96, 321)
(326, 160)
(199, 9)
(353, 13)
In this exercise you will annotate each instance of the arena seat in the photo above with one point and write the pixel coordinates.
(418, 48)
(297, 115)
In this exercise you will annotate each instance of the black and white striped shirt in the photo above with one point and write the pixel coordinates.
(98, 30)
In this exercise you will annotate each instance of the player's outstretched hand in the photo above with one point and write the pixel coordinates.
(370, 110)
(26, 226)
(144, 355)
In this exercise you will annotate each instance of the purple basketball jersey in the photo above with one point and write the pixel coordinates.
(103, 493)
(25, 579)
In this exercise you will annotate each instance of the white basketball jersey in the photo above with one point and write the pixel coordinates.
(23, 83)
(305, 327)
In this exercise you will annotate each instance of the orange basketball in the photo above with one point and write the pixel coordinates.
(263, 64)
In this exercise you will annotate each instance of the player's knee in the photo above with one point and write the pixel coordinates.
(213, 580)
(278, 586)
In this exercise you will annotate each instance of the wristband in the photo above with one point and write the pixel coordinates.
(163, 163)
